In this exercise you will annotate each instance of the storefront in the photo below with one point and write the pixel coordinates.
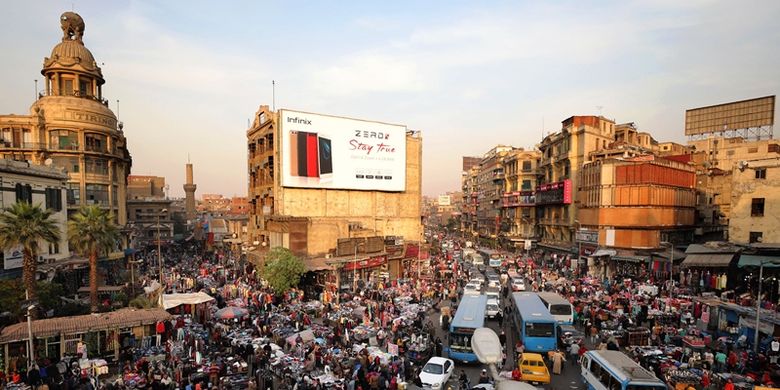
(101, 335)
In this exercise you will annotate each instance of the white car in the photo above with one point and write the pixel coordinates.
(436, 373)
(518, 285)
(492, 308)
(472, 288)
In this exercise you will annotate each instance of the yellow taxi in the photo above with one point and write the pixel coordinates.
(533, 369)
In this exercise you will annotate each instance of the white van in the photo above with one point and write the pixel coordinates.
(492, 309)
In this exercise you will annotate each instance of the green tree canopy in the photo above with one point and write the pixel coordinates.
(282, 269)
(92, 231)
(24, 225)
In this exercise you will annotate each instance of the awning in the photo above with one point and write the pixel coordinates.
(630, 256)
(604, 252)
(173, 300)
(756, 260)
(49, 327)
(316, 264)
(707, 260)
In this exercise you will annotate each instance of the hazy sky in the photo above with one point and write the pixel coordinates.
(469, 75)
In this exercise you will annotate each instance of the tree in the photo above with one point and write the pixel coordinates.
(282, 269)
(91, 231)
(25, 225)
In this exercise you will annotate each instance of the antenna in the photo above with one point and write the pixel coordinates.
(36, 89)
(273, 94)
(599, 108)
(188, 158)
(117, 108)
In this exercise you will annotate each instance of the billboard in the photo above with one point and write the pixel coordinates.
(554, 193)
(12, 258)
(322, 151)
(744, 114)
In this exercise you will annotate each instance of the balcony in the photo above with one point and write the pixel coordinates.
(22, 145)
(78, 94)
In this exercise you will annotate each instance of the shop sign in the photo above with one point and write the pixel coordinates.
(587, 250)
(589, 236)
(412, 250)
(394, 251)
(370, 262)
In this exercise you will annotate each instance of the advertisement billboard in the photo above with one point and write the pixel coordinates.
(322, 151)
(554, 193)
(743, 114)
(12, 258)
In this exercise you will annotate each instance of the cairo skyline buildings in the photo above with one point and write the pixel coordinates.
(189, 77)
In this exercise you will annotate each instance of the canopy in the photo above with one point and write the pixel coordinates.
(756, 260)
(707, 260)
(604, 252)
(231, 312)
(173, 300)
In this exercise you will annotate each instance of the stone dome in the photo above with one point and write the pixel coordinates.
(71, 52)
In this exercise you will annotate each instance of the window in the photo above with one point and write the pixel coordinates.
(54, 248)
(23, 193)
(114, 197)
(95, 143)
(97, 194)
(526, 166)
(538, 329)
(761, 173)
(85, 87)
(757, 207)
(756, 237)
(67, 87)
(96, 166)
(54, 199)
(74, 194)
(526, 185)
(64, 140)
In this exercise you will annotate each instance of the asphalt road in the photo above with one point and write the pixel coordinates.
(569, 379)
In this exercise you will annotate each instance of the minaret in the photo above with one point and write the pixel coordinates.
(189, 190)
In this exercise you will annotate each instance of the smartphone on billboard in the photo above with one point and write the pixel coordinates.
(294, 163)
(326, 160)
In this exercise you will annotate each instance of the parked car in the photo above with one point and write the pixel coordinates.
(436, 373)
(533, 369)
(568, 334)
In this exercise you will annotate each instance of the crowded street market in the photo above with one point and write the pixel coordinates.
(221, 326)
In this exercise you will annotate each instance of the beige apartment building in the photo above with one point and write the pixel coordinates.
(518, 202)
(490, 188)
(325, 223)
(562, 156)
(717, 161)
(468, 217)
(755, 202)
(70, 126)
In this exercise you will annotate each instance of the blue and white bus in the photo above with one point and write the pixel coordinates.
(469, 317)
(534, 324)
(493, 257)
(558, 307)
(614, 370)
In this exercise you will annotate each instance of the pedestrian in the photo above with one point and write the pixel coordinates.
(558, 359)
(574, 352)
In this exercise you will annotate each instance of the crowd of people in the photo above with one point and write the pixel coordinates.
(379, 334)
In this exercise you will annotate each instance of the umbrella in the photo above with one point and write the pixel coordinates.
(231, 312)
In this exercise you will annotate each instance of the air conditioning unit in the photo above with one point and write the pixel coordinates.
(355, 226)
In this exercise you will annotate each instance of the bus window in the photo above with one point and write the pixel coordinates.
(539, 329)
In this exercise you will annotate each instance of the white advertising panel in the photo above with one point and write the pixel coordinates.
(321, 151)
(12, 258)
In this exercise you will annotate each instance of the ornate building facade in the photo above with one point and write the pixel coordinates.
(71, 126)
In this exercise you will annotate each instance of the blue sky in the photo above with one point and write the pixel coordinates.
(469, 75)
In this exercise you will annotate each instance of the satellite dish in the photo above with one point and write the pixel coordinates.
(48, 162)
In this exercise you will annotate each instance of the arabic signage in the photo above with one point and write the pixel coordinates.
(554, 193)
(370, 262)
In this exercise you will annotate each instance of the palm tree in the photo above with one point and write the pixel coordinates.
(90, 231)
(25, 225)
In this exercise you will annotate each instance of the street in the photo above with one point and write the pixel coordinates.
(570, 379)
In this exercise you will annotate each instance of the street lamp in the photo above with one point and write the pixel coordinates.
(758, 300)
(671, 265)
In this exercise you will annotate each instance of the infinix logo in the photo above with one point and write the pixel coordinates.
(302, 121)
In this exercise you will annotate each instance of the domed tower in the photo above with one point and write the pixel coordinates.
(71, 126)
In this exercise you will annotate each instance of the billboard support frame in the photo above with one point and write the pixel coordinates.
(751, 119)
